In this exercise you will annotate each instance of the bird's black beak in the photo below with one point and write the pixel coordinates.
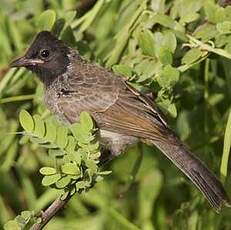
(23, 62)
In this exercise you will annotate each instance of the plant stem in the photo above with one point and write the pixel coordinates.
(206, 96)
(135, 169)
(226, 150)
(122, 220)
(17, 98)
(203, 46)
(50, 212)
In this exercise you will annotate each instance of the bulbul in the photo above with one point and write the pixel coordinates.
(122, 114)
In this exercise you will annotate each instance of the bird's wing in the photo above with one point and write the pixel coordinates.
(133, 114)
(114, 104)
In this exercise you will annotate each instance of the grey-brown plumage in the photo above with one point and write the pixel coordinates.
(122, 114)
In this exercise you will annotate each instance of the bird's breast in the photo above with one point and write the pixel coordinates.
(51, 99)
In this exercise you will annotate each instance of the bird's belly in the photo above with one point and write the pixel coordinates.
(115, 142)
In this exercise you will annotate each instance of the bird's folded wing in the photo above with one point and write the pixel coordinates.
(122, 110)
(131, 116)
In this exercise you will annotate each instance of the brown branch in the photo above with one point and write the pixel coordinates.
(50, 212)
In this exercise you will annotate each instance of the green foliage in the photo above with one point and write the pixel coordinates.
(22, 221)
(177, 50)
(74, 151)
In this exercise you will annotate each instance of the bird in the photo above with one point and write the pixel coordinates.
(123, 115)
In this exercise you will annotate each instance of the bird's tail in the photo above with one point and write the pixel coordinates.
(194, 169)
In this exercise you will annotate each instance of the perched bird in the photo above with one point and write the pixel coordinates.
(122, 114)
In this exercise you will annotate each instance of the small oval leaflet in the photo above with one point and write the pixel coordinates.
(39, 126)
(47, 171)
(86, 121)
(123, 70)
(61, 138)
(50, 131)
(71, 169)
(26, 121)
(51, 179)
(63, 182)
(146, 43)
(191, 56)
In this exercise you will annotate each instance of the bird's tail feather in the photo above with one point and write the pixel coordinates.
(195, 170)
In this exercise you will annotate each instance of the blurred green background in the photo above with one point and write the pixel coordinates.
(177, 50)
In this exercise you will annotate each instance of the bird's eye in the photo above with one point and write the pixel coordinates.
(44, 53)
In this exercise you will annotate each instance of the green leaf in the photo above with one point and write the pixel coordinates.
(105, 173)
(47, 171)
(56, 152)
(213, 12)
(224, 27)
(81, 134)
(91, 164)
(39, 128)
(62, 136)
(206, 32)
(86, 121)
(70, 169)
(70, 148)
(146, 43)
(81, 185)
(168, 76)
(27, 215)
(165, 57)
(146, 69)
(164, 41)
(172, 110)
(68, 37)
(63, 182)
(168, 106)
(169, 41)
(69, 16)
(189, 17)
(12, 225)
(163, 20)
(51, 179)
(46, 20)
(26, 121)
(123, 70)
(75, 157)
(38, 140)
(50, 131)
(92, 147)
(183, 125)
(191, 56)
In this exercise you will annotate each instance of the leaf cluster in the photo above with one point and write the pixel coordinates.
(74, 151)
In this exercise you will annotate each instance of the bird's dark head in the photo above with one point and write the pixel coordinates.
(47, 57)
